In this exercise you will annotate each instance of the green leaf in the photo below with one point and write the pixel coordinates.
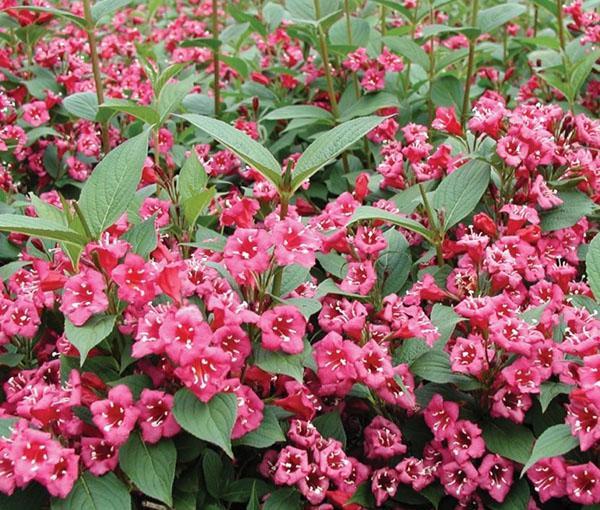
(366, 105)
(367, 212)
(146, 114)
(516, 499)
(247, 149)
(434, 30)
(299, 112)
(330, 425)
(283, 499)
(447, 91)
(95, 493)
(7, 270)
(445, 319)
(435, 366)
(113, 183)
(193, 206)
(508, 439)
(212, 467)
(253, 502)
(582, 69)
(409, 49)
(494, 17)
(241, 490)
(277, 362)
(192, 177)
(393, 264)
(554, 441)
(549, 390)
(151, 467)
(38, 227)
(33, 496)
(333, 263)
(292, 277)
(459, 193)
(202, 42)
(211, 421)
(592, 263)
(5, 427)
(329, 145)
(105, 7)
(86, 337)
(359, 28)
(171, 96)
(575, 206)
(82, 104)
(363, 496)
(267, 434)
(142, 237)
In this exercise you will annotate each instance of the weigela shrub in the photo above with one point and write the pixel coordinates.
(300, 255)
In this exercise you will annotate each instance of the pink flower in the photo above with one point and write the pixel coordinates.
(21, 318)
(549, 478)
(583, 416)
(59, 480)
(185, 333)
(204, 373)
(440, 416)
(459, 480)
(383, 439)
(99, 455)
(314, 485)
(373, 79)
(303, 433)
(294, 243)
(369, 241)
(135, 280)
(247, 250)
(115, 416)
(292, 466)
(496, 476)
(360, 278)
(373, 365)
(35, 113)
(84, 295)
(468, 355)
(34, 455)
(249, 412)
(156, 418)
(333, 461)
(465, 441)
(583, 483)
(335, 358)
(543, 195)
(384, 484)
(283, 328)
(234, 341)
(445, 120)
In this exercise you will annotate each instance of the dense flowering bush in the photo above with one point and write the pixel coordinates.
(302, 255)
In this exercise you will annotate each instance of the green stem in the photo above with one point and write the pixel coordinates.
(561, 27)
(216, 59)
(433, 224)
(470, 64)
(283, 210)
(91, 35)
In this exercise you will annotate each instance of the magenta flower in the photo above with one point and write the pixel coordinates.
(292, 466)
(384, 484)
(314, 485)
(465, 441)
(583, 483)
(383, 439)
(135, 279)
(84, 295)
(185, 333)
(247, 250)
(116, 415)
(440, 416)
(583, 416)
(283, 328)
(496, 476)
(99, 455)
(156, 418)
(35, 113)
(459, 479)
(235, 342)
(59, 480)
(294, 243)
(373, 365)
(335, 358)
(549, 478)
(20, 318)
(204, 373)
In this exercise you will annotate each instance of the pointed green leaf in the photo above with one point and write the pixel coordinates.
(95, 493)
(86, 337)
(211, 421)
(267, 434)
(82, 104)
(368, 212)
(150, 466)
(113, 183)
(105, 7)
(38, 227)
(247, 149)
(554, 441)
(592, 263)
(329, 145)
(172, 95)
